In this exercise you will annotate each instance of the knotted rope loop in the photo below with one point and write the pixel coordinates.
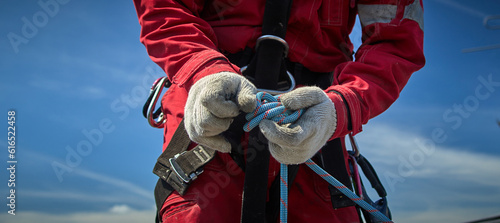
(270, 107)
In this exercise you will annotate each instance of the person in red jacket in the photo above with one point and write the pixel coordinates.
(191, 40)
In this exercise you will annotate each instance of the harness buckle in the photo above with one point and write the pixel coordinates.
(186, 177)
(276, 92)
(275, 38)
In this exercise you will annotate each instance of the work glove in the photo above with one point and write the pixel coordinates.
(296, 143)
(212, 103)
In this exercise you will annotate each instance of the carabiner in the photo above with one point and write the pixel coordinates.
(155, 118)
(354, 145)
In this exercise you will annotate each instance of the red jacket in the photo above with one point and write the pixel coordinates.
(190, 38)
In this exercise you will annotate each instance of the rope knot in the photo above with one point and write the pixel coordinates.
(270, 107)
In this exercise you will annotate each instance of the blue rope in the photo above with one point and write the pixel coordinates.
(337, 184)
(283, 193)
(269, 107)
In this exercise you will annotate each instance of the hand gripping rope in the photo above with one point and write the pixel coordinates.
(270, 107)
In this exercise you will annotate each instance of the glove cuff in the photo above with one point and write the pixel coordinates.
(342, 116)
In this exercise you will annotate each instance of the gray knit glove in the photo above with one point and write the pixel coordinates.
(298, 142)
(212, 103)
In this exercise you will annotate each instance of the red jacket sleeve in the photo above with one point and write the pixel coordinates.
(179, 41)
(391, 51)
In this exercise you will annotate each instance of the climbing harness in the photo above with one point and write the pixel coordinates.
(269, 107)
(268, 68)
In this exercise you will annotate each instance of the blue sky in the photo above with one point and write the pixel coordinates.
(78, 82)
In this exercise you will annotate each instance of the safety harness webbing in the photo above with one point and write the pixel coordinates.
(266, 68)
(177, 166)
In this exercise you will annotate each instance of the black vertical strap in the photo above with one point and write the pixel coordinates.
(269, 63)
(255, 184)
(334, 163)
(371, 175)
(234, 136)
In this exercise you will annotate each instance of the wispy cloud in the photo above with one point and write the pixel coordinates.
(463, 8)
(99, 177)
(65, 88)
(120, 209)
(423, 176)
(50, 84)
(388, 146)
(83, 196)
(114, 190)
(117, 183)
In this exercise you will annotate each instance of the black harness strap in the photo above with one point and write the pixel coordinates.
(371, 175)
(253, 208)
(234, 136)
(266, 68)
(374, 180)
(333, 162)
(177, 167)
(268, 65)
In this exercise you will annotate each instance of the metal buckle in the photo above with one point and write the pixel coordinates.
(276, 92)
(275, 38)
(180, 173)
(286, 47)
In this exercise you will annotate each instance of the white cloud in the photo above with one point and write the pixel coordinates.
(429, 182)
(120, 209)
(113, 190)
(68, 88)
(87, 197)
(50, 84)
(91, 92)
(395, 149)
(117, 183)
